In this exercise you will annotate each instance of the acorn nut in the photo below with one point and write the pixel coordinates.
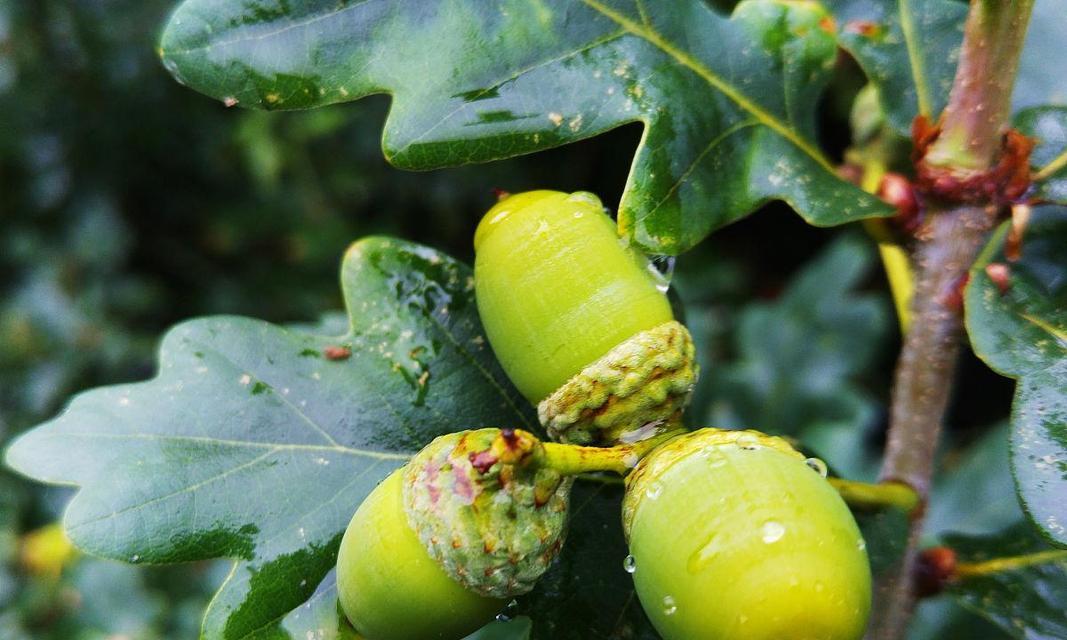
(471, 521)
(733, 536)
(580, 320)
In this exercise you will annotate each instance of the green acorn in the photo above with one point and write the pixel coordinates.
(579, 319)
(472, 520)
(733, 535)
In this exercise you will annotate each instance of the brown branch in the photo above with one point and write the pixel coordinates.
(970, 142)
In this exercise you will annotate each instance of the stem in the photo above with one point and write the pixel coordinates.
(979, 106)
(569, 459)
(972, 129)
(965, 570)
(875, 496)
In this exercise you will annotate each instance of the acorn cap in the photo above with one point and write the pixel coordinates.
(493, 518)
(648, 378)
(641, 482)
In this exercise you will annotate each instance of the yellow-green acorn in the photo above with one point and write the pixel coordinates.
(579, 319)
(435, 550)
(733, 535)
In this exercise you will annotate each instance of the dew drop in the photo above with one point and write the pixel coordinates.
(669, 606)
(585, 197)
(817, 465)
(629, 564)
(772, 531)
(861, 544)
(662, 270)
(747, 441)
(653, 490)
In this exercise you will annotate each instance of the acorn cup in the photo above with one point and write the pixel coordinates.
(436, 549)
(733, 535)
(580, 320)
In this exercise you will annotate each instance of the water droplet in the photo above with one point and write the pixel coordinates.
(135, 558)
(653, 490)
(585, 197)
(861, 544)
(772, 531)
(503, 617)
(669, 606)
(662, 270)
(747, 441)
(817, 465)
(629, 564)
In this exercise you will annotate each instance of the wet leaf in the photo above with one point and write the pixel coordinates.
(1048, 128)
(251, 444)
(1025, 596)
(907, 48)
(728, 105)
(1019, 328)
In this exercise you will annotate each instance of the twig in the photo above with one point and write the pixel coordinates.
(972, 132)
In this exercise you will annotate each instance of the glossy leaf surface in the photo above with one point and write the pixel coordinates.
(728, 105)
(257, 443)
(1017, 322)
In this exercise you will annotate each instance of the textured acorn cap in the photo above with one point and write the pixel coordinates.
(490, 516)
(646, 379)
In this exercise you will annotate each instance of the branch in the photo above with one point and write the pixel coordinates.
(971, 136)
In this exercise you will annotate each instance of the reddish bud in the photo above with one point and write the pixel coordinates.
(1000, 274)
(899, 192)
(935, 568)
(1020, 218)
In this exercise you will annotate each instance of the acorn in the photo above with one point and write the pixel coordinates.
(733, 534)
(580, 320)
(437, 549)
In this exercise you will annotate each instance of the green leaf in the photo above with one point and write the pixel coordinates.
(907, 48)
(1048, 127)
(799, 356)
(727, 104)
(1022, 332)
(587, 593)
(1026, 597)
(251, 444)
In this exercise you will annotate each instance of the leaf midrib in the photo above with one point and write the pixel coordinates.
(223, 442)
(741, 100)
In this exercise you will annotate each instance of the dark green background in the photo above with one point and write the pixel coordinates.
(129, 203)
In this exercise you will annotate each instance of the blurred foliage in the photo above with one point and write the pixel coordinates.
(129, 203)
